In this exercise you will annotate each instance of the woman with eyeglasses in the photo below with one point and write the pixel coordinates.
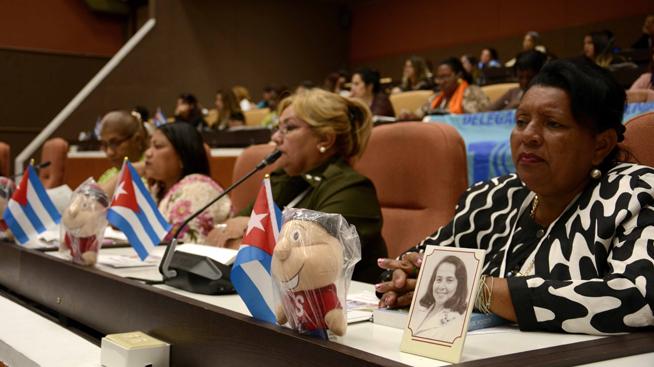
(122, 135)
(319, 133)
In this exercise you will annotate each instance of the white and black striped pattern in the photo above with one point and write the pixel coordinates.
(594, 267)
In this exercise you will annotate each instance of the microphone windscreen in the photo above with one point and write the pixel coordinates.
(272, 157)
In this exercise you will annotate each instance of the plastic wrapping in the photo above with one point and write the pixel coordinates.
(7, 188)
(83, 223)
(312, 266)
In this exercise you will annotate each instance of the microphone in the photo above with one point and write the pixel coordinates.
(196, 273)
(36, 167)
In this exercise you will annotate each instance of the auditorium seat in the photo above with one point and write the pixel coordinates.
(638, 139)
(243, 195)
(495, 91)
(255, 117)
(419, 171)
(409, 101)
(55, 151)
(5, 159)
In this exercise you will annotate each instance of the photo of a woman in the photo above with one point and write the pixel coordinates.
(443, 303)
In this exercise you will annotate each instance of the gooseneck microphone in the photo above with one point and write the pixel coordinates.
(201, 274)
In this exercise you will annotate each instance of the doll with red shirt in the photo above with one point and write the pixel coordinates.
(312, 265)
(83, 223)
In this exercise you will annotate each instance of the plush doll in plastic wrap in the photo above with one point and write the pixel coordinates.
(7, 188)
(83, 223)
(312, 265)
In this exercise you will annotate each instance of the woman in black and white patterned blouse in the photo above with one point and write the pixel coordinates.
(570, 237)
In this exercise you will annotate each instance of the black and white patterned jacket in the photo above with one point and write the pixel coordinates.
(594, 268)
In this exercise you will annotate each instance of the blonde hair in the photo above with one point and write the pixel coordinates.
(326, 112)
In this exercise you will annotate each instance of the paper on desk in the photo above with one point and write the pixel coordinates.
(222, 255)
(127, 261)
(360, 306)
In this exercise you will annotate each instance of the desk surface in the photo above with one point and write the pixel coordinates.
(204, 328)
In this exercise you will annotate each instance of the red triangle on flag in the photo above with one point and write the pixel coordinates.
(259, 232)
(20, 195)
(124, 194)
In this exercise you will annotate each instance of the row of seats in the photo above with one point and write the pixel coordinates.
(54, 151)
(412, 100)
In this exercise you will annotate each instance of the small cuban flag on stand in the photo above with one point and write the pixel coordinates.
(251, 270)
(159, 118)
(30, 210)
(134, 212)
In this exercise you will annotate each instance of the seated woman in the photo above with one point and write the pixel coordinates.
(366, 87)
(568, 238)
(443, 304)
(527, 66)
(319, 133)
(642, 90)
(415, 76)
(228, 112)
(177, 169)
(489, 58)
(122, 135)
(188, 110)
(457, 95)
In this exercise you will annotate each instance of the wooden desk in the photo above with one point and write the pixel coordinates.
(81, 165)
(202, 333)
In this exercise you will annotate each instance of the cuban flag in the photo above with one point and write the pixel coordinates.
(159, 118)
(30, 210)
(134, 212)
(251, 270)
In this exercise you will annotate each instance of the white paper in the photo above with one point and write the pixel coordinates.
(222, 255)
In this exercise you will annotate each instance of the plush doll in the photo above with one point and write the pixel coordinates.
(7, 188)
(83, 223)
(309, 270)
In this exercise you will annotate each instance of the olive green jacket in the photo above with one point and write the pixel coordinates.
(337, 188)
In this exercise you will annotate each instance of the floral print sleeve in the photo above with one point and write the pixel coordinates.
(186, 197)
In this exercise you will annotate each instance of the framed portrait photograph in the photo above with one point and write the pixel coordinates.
(443, 302)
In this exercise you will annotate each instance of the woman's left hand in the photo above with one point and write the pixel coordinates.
(398, 292)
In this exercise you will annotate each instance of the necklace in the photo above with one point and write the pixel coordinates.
(534, 206)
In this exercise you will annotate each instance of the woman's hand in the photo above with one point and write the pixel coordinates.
(228, 234)
(398, 292)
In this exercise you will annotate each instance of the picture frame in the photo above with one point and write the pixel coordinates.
(442, 302)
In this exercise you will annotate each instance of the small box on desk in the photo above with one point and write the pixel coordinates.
(135, 349)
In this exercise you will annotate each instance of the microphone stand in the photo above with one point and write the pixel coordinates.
(35, 166)
(164, 267)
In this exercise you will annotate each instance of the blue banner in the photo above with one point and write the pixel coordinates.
(486, 136)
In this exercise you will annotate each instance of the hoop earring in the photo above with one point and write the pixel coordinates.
(595, 174)
(322, 149)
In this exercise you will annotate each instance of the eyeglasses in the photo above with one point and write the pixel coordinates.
(113, 143)
(286, 129)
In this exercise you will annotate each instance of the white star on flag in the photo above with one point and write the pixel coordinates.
(120, 190)
(255, 222)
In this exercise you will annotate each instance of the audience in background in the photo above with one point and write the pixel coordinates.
(488, 59)
(642, 90)
(528, 64)
(598, 48)
(646, 40)
(416, 76)
(122, 135)
(469, 63)
(335, 82)
(319, 134)
(272, 118)
(268, 92)
(457, 95)
(188, 110)
(304, 86)
(228, 112)
(367, 88)
(177, 169)
(531, 41)
(243, 97)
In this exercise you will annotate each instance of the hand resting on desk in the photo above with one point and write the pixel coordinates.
(228, 234)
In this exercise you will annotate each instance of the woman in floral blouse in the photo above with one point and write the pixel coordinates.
(177, 169)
